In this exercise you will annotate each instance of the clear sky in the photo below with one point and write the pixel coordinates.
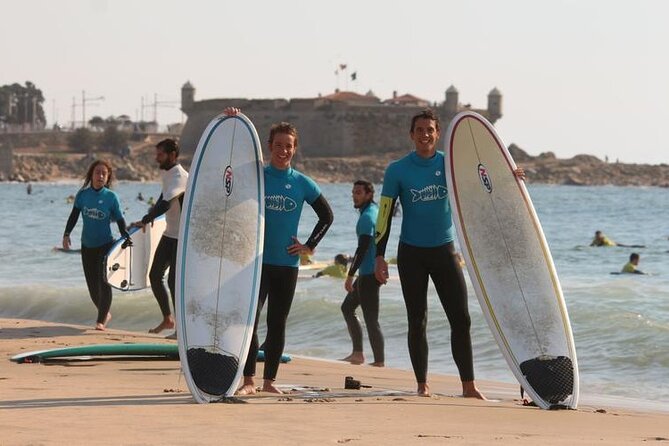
(577, 76)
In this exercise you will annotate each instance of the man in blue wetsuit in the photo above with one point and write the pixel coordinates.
(364, 291)
(286, 191)
(426, 250)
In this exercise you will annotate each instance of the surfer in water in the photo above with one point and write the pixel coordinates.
(602, 240)
(286, 191)
(426, 249)
(174, 181)
(99, 206)
(336, 270)
(364, 291)
(631, 266)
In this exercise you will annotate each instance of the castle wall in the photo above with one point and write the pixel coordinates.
(325, 128)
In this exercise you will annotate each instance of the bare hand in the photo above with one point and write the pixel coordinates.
(348, 285)
(231, 111)
(66, 242)
(519, 173)
(298, 248)
(139, 224)
(381, 270)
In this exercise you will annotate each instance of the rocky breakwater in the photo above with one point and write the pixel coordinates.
(588, 170)
(29, 166)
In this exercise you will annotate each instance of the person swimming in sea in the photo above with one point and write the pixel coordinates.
(337, 269)
(631, 266)
(602, 240)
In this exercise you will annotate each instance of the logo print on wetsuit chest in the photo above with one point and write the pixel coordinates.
(428, 193)
(280, 203)
(93, 213)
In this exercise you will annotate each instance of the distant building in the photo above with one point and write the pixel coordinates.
(338, 124)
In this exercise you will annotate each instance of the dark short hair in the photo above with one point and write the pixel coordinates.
(168, 145)
(634, 256)
(425, 114)
(282, 127)
(341, 259)
(369, 187)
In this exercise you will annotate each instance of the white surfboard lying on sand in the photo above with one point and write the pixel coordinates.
(219, 257)
(509, 263)
(127, 266)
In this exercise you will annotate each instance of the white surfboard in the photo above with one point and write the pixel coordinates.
(509, 262)
(127, 266)
(219, 257)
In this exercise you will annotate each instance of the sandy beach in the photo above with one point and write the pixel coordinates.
(146, 402)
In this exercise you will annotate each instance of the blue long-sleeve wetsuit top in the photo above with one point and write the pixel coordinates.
(98, 209)
(421, 187)
(285, 194)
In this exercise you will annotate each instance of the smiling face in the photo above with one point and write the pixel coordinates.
(282, 149)
(425, 135)
(100, 176)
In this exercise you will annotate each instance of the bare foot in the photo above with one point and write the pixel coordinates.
(469, 390)
(355, 358)
(423, 389)
(268, 386)
(247, 388)
(377, 364)
(100, 327)
(167, 323)
(108, 318)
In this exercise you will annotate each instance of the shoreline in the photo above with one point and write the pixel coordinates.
(141, 401)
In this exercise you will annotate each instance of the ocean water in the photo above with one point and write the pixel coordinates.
(620, 322)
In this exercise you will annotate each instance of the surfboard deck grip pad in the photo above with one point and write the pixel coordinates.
(212, 372)
(552, 377)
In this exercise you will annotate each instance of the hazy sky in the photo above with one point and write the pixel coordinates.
(577, 76)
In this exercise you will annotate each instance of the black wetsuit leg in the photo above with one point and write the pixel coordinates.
(413, 278)
(348, 307)
(415, 265)
(368, 291)
(449, 283)
(277, 286)
(92, 260)
(165, 257)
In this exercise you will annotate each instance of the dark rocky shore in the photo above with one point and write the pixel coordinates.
(581, 170)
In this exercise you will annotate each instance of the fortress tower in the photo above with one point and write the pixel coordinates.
(494, 105)
(187, 97)
(451, 104)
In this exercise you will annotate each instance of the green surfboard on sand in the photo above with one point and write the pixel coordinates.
(169, 351)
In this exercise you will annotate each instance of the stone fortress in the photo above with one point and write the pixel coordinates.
(343, 123)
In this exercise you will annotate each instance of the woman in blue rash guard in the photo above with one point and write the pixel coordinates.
(98, 206)
(286, 191)
(426, 250)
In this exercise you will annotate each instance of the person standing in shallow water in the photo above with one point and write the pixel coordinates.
(98, 206)
(364, 291)
(426, 250)
(282, 249)
(174, 181)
